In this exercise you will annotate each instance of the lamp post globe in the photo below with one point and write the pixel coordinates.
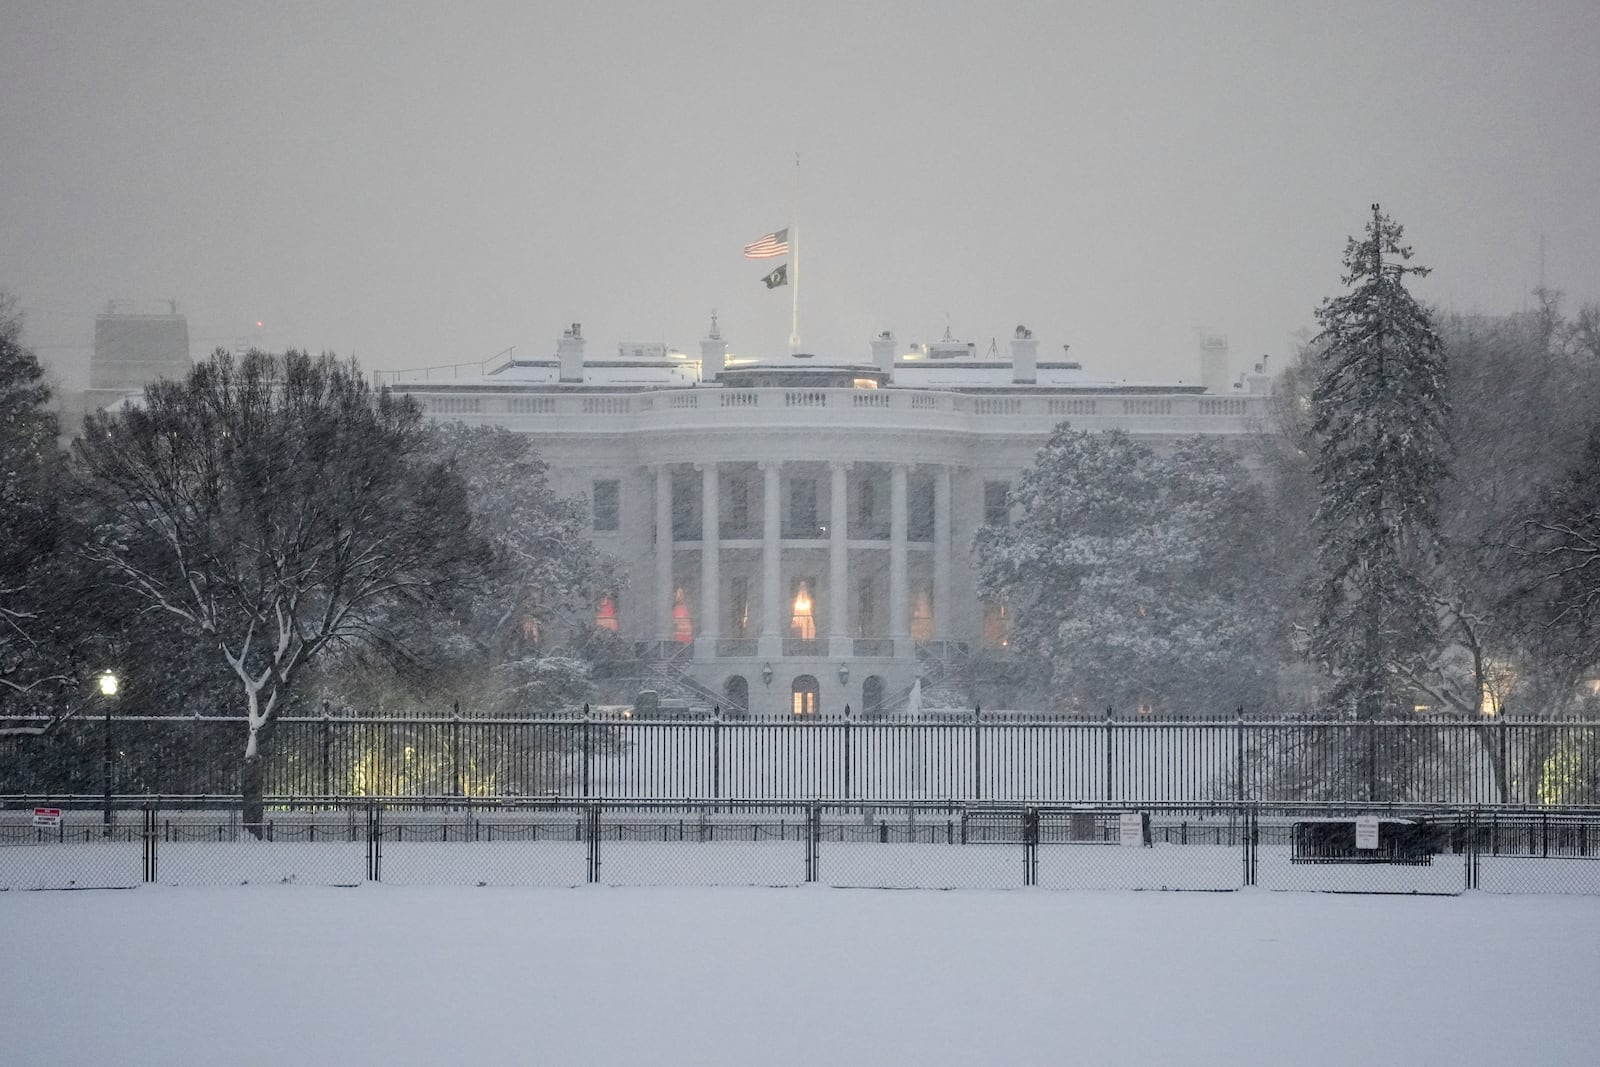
(108, 684)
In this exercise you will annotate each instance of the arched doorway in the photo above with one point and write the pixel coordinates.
(736, 697)
(872, 695)
(803, 696)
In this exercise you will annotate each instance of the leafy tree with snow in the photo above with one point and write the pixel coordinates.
(1560, 550)
(1127, 575)
(276, 506)
(495, 650)
(1380, 417)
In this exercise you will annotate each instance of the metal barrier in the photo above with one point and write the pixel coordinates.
(888, 843)
(958, 756)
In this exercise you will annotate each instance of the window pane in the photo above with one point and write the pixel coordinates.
(607, 504)
(995, 510)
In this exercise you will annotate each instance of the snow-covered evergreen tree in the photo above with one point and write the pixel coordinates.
(1379, 417)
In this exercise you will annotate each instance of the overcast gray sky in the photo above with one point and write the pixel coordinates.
(430, 184)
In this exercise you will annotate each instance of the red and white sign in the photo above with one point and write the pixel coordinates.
(47, 816)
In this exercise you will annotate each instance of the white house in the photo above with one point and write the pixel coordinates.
(795, 532)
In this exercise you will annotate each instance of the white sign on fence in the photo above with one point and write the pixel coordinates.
(1130, 829)
(1366, 831)
(47, 816)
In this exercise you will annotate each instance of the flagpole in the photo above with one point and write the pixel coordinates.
(794, 253)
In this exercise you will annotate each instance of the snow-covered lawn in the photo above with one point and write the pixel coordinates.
(392, 975)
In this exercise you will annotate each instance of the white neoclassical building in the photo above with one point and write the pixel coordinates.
(795, 533)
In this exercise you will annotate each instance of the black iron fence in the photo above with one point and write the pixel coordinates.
(73, 842)
(957, 757)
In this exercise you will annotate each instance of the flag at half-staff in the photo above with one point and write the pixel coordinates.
(772, 245)
(779, 276)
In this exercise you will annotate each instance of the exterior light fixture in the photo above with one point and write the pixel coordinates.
(766, 675)
(108, 684)
(844, 674)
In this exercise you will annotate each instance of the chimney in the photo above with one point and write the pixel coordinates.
(883, 347)
(1261, 380)
(570, 351)
(1214, 362)
(1024, 357)
(713, 353)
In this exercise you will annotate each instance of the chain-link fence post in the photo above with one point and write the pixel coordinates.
(149, 843)
(813, 837)
(374, 842)
(591, 823)
(1030, 847)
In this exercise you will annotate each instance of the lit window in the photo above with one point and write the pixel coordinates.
(605, 615)
(803, 695)
(996, 625)
(802, 623)
(607, 504)
(922, 618)
(682, 624)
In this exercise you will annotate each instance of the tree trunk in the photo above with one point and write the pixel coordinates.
(253, 779)
(252, 783)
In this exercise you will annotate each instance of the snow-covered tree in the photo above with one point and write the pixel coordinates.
(35, 662)
(1380, 416)
(1127, 576)
(1560, 549)
(499, 647)
(276, 505)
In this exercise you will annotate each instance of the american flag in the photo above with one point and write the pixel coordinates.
(773, 244)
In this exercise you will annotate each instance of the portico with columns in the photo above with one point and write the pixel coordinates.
(803, 567)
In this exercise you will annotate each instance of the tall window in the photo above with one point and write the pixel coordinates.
(872, 695)
(919, 510)
(867, 608)
(871, 506)
(685, 507)
(607, 504)
(802, 508)
(736, 696)
(736, 517)
(996, 625)
(606, 615)
(922, 617)
(739, 607)
(996, 512)
(682, 623)
(802, 616)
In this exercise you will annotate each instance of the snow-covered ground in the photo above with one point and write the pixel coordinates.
(393, 975)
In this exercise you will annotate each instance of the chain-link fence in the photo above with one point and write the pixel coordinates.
(81, 842)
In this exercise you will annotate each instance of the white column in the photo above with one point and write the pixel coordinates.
(839, 562)
(663, 605)
(899, 611)
(709, 625)
(770, 644)
(943, 613)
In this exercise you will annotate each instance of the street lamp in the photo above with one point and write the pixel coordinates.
(766, 675)
(844, 674)
(108, 694)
